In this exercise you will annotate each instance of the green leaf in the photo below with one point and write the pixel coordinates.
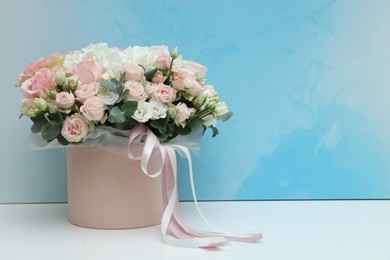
(215, 130)
(50, 131)
(161, 125)
(129, 108)
(183, 130)
(122, 79)
(150, 74)
(116, 116)
(62, 140)
(195, 122)
(37, 125)
(225, 116)
(122, 96)
(59, 118)
(108, 84)
(128, 124)
(115, 81)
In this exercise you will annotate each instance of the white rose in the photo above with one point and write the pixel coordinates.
(75, 128)
(109, 98)
(93, 109)
(136, 90)
(159, 110)
(144, 112)
(85, 91)
(65, 100)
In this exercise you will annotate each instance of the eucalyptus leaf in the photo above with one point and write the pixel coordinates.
(195, 122)
(122, 79)
(161, 125)
(116, 116)
(50, 130)
(109, 85)
(122, 96)
(62, 140)
(37, 125)
(128, 124)
(183, 130)
(129, 108)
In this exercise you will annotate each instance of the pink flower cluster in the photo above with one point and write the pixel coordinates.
(68, 95)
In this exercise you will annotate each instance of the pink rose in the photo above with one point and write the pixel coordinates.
(136, 90)
(85, 91)
(88, 71)
(164, 93)
(158, 78)
(65, 100)
(133, 71)
(192, 86)
(179, 75)
(27, 104)
(33, 67)
(181, 113)
(163, 59)
(163, 62)
(75, 128)
(37, 86)
(197, 69)
(93, 109)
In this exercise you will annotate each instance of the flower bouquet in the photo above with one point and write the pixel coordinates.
(69, 96)
(144, 95)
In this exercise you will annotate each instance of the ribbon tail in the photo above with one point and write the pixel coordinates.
(181, 236)
(173, 220)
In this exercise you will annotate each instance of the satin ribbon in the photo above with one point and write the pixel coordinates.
(173, 227)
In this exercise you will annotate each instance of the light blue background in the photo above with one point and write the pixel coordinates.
(308, 82)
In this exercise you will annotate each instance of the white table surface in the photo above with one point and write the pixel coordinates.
(312, 230)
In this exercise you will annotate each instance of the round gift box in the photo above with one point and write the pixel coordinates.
(110, 191)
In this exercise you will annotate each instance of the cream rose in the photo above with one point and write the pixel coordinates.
(75, 128)
(85, 91)
(65, 100)
(93, 109)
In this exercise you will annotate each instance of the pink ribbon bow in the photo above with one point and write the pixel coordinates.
(172, 221)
